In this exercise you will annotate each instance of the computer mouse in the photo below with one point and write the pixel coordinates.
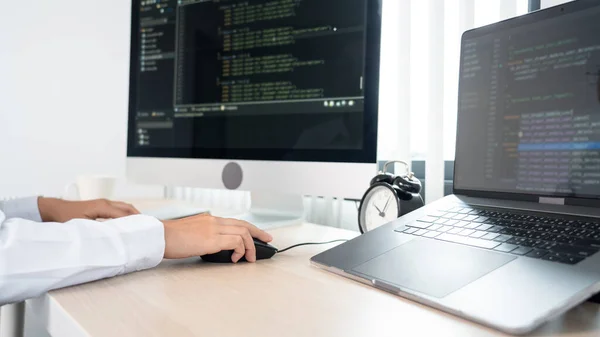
(264, 251)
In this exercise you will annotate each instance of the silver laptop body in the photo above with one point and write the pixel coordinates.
(516, 244)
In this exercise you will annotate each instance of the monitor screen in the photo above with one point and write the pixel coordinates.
(255, 79)
(529, 105)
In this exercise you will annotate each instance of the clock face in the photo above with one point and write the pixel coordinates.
(379, 207)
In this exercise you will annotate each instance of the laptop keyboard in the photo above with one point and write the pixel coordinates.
(545, 237)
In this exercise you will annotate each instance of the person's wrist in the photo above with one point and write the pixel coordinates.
(167, 224)
(48, 208)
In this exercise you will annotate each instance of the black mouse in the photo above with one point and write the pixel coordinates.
(264, 251)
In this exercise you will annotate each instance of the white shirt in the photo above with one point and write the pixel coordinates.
(37, 257)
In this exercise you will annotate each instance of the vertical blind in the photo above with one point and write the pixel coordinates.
(419, 77)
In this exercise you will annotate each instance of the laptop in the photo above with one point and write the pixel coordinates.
(516, 244)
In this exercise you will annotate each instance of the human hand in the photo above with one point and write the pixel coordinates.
(57, 210)
(205, 234)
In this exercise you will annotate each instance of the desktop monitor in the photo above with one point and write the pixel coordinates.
(275, 97)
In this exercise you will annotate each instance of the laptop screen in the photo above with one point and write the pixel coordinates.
(529, 106)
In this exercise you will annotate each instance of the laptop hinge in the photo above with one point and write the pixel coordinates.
(552, 201)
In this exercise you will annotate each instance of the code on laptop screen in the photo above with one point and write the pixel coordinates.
(529, 108)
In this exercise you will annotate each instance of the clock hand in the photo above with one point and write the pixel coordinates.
(386, 205)
(377, 208)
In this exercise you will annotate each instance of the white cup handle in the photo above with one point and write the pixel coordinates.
(68, 189)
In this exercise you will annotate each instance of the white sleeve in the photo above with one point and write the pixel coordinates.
(26, 208)
(38, 257)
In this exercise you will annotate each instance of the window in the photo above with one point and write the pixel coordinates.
(475, 13)
(550, 3)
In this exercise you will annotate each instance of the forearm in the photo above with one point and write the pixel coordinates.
(36, 258)
(47, 206)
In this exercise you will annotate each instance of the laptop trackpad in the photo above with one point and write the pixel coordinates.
(432, 267)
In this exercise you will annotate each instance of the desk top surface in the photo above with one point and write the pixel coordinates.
(283, 296)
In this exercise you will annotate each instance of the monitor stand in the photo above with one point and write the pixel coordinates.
(271, 210)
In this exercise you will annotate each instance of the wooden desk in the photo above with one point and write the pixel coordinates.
(284, 296)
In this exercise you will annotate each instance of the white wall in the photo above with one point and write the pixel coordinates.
(63, 92)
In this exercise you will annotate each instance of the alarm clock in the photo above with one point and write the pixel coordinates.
(388, 198)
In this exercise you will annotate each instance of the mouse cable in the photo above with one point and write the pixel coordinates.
(310, 243)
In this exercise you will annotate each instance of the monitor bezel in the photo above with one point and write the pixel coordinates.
(368, 153)
(537, 16)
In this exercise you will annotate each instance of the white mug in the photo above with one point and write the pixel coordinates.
(91, 187)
